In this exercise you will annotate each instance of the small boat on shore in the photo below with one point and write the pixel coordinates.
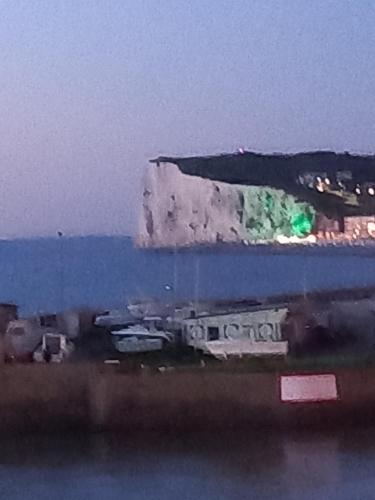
(138, 338)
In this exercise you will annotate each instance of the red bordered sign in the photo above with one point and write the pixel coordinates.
(308, 388)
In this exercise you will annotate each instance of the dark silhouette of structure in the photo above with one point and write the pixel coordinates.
(335, 184)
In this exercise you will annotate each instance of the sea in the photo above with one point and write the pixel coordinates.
(248, 465)
(53, 274)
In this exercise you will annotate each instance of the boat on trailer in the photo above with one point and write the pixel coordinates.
(139, 338)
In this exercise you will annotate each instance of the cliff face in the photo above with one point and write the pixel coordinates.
(182, 210)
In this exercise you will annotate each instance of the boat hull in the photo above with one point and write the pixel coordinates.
(132, 345)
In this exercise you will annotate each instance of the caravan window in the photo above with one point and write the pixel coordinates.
(17, 330)
(53, 343)
(213, 333)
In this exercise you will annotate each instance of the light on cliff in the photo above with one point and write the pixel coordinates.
(302, 224)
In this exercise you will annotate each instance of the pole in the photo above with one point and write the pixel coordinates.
(196, 285)
(175, 275)
(61, 270)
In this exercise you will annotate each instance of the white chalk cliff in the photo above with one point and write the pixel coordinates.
(182, 210)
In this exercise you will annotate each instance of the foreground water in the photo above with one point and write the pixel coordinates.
(249, 466)
(52, 274)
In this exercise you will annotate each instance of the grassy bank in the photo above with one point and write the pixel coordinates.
(190, 361)
(96, 397)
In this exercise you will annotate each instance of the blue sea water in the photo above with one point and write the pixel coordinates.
(46, 275)
(251, 465)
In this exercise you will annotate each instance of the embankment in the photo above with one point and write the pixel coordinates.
(81, 397)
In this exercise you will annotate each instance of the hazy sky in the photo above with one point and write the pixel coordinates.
(90, 90)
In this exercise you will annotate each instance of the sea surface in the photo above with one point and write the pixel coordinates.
(47, 275)
(250, 465)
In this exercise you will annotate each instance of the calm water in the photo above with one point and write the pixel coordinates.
(51, 274)
(250, 466)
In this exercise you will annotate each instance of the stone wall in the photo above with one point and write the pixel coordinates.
(360, 227)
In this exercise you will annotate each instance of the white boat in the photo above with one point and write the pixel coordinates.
(131, 314)
(137, 338)
(135, 344)
(117, 317)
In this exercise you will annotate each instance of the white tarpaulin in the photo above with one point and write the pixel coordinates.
(225, 348)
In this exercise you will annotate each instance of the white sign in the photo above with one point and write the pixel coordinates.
(308, 388)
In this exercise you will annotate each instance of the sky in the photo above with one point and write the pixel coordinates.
(90, 90)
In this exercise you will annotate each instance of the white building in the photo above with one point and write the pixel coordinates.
(255, 331)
